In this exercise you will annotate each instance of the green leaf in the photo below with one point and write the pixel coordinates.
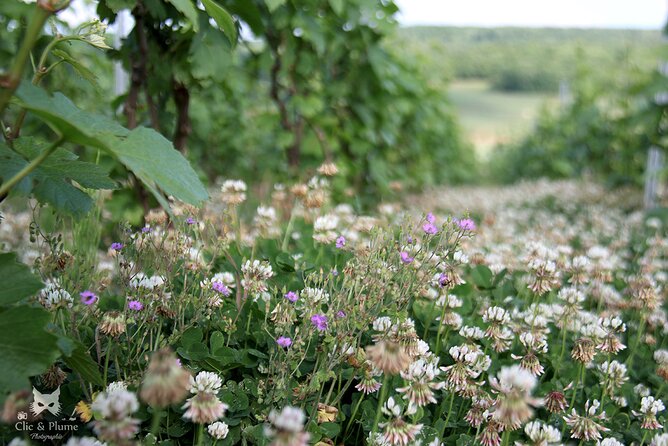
(330, 430)
(26, 349)
(273, 5)
(51, 181)
(337, 6)
(154, 160)
(81, 362)
(223, 19)
(82, 70)
(144, 151)
(482, 276)
(17, 280)
(187, 8)
(117, 5)
(285, 262)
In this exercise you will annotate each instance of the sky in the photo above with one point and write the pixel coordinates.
(649, 14)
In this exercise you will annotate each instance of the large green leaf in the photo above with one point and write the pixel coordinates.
(144, 151)
(273, 5)
(154, 160)
(81, 362)
(17, 280)
(223, 19)
(51, 181)
(26, 349)
(187, 8)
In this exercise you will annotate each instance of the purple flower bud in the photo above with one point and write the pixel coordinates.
(135, 305)
(319, 321)
(88, 297)
(191, 221)
(341, 314)
(116, 246)
(145, 229)
(443, 279)
(429, 228)
(467, 224)
(284, 341)
(340, 242)
(406, 258)
(221, 288)
(430, 218)
(291, 296)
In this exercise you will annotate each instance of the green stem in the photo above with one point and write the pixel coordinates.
(381, 401)
(352, 416)
(10, 82)
(30, 167)
(106, 361)
(447, 417)
(288, 229)
(200, 434)
(155, 423)
(577, 384)
(644, 437)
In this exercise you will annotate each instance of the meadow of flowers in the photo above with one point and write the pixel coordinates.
(532, 315)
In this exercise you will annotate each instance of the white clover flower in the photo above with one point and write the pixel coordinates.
(289, 419)
(141, 280)
(382, 324)
(117, 405)
(610, 442)
(205, 382)
(218, 430)
(542, 434)
(116, 386)
(54, 296)
(83, 441)
(497, 315)
(234, 192)
(660, 440)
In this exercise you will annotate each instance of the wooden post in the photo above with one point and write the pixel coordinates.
(655, 161)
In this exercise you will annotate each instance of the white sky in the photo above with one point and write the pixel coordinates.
(556, 13)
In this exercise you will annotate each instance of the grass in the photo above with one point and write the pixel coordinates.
(492, 117)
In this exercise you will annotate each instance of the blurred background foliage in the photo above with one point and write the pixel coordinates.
(310, 81)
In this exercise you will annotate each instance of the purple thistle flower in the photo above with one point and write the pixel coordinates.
(340, 242)
(116, 246)
(341, 314)
(221, 288)
(191, 221)
(406, 258)
(135, 305)
(467, 224)
(319, 321)
(284, 341)
(145, 229)
(429, 228)
(430, 218)
(291, 296)
(88, 297)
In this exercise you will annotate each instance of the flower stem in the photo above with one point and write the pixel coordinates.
(381, 401)
(352, 416)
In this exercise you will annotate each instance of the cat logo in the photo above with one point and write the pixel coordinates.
(45, 401)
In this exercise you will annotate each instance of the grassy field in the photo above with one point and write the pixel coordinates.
(491, 117)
